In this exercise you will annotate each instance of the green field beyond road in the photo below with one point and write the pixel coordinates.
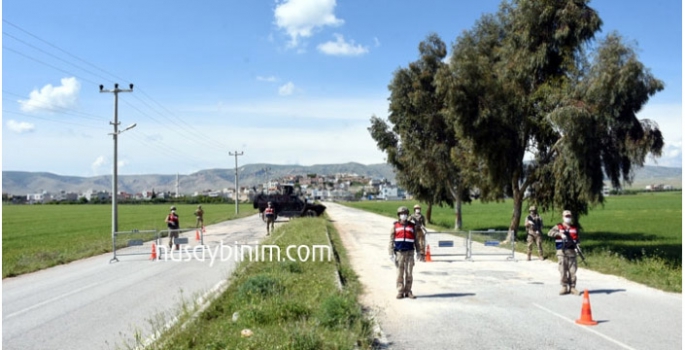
(35, 237)
(638, 237)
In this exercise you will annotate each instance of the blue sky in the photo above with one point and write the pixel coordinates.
(285, 82)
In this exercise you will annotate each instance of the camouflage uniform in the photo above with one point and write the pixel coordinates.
(567, 237)
(199, 213)
(420, 223)
(534, 229)
(402, 246)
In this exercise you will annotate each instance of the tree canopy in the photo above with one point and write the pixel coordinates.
(528, 101)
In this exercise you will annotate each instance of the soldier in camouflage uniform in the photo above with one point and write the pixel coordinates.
(534, 228)
(420, 223)
(566, 239)
(403, 244)
(199, 214)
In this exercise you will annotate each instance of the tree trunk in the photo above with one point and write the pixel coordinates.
(429, 211)
(456, 194)
(457, 211)
(516, 215)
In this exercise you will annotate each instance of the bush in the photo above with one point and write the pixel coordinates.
(260, 285)
(339, 310)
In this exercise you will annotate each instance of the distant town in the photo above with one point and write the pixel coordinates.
(337, 187)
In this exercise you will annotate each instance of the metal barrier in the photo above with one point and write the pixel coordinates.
(134, 242)
(494, 243)
(448, 243)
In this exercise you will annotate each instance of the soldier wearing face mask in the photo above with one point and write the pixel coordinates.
(401, 248)
(566, 239)
(420, 223)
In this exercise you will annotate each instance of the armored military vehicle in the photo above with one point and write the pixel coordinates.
(286, 203)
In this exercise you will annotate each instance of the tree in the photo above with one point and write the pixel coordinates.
(421, 143)
(520, 82)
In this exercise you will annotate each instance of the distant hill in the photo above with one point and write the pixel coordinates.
(21, 182)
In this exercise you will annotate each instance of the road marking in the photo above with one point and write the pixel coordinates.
(51, 300)
(585, 328)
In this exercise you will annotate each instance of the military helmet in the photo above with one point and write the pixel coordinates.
(402, 209)
(532, 208)
(416, 206)
(199, 207)
(172, 208)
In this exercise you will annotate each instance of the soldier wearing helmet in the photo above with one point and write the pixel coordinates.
(420, 223)
(199, 214)
(173, 224)
(566, 240)
(270, 215)
(402, 245)
(534, 229)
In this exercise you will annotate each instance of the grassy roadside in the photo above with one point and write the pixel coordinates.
(36, 237)
(637, 237)
(285, 304)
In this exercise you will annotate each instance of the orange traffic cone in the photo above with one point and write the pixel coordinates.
(428, 254)
(586, 312)
(197, 235)
(153, 256)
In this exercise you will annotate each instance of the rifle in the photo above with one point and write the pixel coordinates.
(580, 253)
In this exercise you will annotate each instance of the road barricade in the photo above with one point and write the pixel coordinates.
(491, 242)
(134, 242)
(448, 244)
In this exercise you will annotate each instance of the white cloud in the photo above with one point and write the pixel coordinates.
(20, 127)
(376, 42)
(98, 164)
(300, 17)
(269, 79)
(340, 47)
(49, 97)
(286, 89)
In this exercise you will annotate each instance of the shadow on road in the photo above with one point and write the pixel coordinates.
(445, 295)
(605, 291)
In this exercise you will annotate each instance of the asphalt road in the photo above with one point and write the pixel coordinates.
(492, 303)
(94, 304)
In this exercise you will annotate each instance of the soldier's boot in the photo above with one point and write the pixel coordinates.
(574, 291)
(400, 295)
(410, 295)
(564, 290)
(528, 257)
(541, 256)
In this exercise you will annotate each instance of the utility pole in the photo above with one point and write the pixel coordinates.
(236, 154)
(115, 133)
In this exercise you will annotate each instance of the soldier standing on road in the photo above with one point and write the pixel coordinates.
(534, 228)
(270, 217)
(199, 214)
(567, 238)
(173, 225)
(420, 224)
(402, 245)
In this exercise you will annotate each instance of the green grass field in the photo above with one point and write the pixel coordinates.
(638, 237)
(35, 237)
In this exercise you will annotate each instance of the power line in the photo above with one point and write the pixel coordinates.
(62, 50)
(47, 64)
(51, 55)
